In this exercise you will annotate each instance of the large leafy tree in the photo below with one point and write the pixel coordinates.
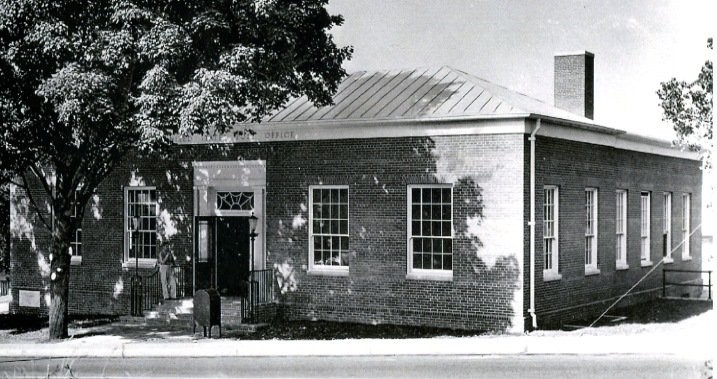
(688, 107)
(84, 82)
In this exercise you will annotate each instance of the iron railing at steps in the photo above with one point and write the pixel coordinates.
(665, 283)
(259, 289)
(146, 290)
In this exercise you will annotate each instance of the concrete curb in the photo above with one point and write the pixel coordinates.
(498, 345)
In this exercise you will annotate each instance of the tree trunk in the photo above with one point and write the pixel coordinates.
(60, 276)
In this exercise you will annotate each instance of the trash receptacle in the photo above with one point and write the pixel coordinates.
(207, 311)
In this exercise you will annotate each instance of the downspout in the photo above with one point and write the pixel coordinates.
(531, 224)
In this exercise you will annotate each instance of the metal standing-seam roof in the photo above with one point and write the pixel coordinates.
(422, 94)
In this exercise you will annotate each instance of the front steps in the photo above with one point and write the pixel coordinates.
(179, 313)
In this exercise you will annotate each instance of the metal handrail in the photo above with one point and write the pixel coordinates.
(665, 283)
(260, 290)
(146, 290)
(265, 285)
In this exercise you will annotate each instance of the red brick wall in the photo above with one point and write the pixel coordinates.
(573, 166)
(488, 215)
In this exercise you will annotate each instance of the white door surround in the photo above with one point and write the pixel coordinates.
(211, 177)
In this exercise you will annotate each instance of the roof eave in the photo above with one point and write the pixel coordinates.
(578, 124)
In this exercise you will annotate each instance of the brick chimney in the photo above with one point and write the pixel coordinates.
(574, 82)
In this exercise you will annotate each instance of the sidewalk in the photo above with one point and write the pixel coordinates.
(692, 338)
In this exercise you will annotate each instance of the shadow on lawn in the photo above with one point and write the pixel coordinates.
(20, 324)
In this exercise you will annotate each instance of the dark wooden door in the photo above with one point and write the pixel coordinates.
(232, 255)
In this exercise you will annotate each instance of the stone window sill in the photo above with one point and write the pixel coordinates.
(75, 261)
(667, 260)
(685, 259)
(645, 263)
(621, 266)
(425, 275)
(342, 271)
(590, 271)
(549, 276)
(142, 263)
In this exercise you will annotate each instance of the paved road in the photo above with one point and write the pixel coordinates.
(570, 366)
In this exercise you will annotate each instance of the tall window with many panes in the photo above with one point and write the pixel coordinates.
(430, 229)
(645, 227)
(591, 228)
(76, 242)
(329, 228)
(550, 231)
(686, 225)
(141, 205)
(667, 226)
(621, 229)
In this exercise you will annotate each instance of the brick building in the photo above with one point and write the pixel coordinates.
(423, 197)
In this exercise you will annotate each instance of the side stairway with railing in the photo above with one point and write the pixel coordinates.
(671, 273)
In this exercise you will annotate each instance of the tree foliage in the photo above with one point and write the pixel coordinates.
(688, 107)
(84, 82)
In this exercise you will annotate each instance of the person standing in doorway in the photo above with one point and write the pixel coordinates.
(166, 274)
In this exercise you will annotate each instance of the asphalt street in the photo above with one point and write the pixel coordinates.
(455, 366)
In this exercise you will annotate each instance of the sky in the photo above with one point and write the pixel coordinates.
(637, 45)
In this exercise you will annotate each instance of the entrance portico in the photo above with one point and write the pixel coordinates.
(226, 194)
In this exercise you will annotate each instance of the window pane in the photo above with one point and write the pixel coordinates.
(416, 196)
(426, 212)
(447, 262)
(446, 212)
(446, 196)
(437, 262)
(436, 196)
(417, 245)
(446, 229)
(436, 228)
(427, 264)
(418, 261)
(426, 195)
(416, 228)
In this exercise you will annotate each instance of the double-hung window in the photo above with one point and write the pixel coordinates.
(76, 242)
(621, 229)
(591, 230)
(645, 228)
(686, 226)
(430, 231)
(550, 232)
(329, 229)
(140, 226)
(667, 226)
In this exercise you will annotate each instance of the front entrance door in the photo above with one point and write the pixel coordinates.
(232, 254)
(222, 254)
